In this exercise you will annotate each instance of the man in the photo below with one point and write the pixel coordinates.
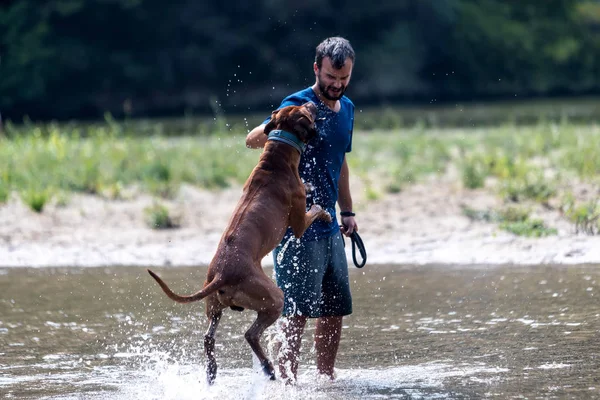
(313, 271)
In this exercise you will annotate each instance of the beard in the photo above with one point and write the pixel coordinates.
(330, 93)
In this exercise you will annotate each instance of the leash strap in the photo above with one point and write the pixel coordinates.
(357, 242)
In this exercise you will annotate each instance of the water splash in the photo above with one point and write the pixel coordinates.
(281, 253)
(182, 382)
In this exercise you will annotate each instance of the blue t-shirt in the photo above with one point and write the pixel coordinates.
(321, 162)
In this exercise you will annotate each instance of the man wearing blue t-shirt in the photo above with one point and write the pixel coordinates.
(313, 271)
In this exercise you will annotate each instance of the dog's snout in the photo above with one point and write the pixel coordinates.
(312, 107)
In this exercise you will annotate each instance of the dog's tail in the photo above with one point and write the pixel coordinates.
(213, 286)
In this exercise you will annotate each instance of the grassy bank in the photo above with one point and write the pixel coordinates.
(544, 163)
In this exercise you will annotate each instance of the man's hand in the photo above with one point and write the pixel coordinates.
(349, 225)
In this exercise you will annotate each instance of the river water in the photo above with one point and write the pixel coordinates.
(423, 332)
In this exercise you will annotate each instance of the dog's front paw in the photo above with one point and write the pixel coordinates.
(321, 213)
(315, 208)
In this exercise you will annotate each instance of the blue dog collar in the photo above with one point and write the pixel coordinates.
(286, 137)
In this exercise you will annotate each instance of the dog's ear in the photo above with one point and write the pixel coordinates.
(272, 123)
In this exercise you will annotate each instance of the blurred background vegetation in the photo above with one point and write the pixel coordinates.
(75, 59)
(120, 97)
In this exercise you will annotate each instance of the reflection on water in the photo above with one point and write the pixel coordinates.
(417, 332)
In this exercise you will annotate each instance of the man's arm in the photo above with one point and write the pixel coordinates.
(256, 139)
(345, 200)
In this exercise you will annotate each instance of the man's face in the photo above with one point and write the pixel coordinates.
(333, 82)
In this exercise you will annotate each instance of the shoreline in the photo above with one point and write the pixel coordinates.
(465, 254)
(422, 225)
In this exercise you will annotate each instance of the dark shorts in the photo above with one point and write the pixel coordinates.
(314, 277)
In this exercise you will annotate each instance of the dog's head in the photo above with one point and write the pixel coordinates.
(299, 120)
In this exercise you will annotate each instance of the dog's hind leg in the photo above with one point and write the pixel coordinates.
(209, 348)
(262, 295)
(214, 313)
(263, 320)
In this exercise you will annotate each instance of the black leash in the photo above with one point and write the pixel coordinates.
(357, 242)
(354, 236)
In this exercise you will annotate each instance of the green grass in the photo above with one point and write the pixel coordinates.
(158, 217)
(515, 220)
(4, 191)
(528, 228)
(533, 163)
(528, 162)
(474, 170)
(36, 199)
(585, 216)
(105, 162)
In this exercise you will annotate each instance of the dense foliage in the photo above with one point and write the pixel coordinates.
(76, 59)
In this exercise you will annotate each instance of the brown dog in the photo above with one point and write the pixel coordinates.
(273, 199)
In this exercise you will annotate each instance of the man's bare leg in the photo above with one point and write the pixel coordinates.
(327, 341)
(293, 328)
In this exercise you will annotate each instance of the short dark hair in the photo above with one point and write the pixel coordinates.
(337, 49)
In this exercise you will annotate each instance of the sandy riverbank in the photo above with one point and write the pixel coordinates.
(423, 224)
